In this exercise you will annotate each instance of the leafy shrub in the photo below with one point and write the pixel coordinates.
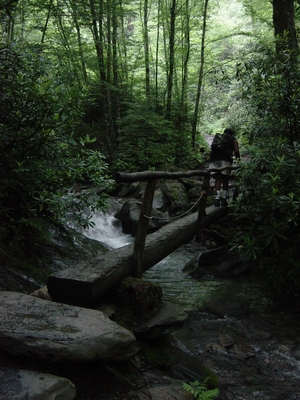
(269, 88)
(149, 141)
(200, 390)
(39, 156)
(268, 215)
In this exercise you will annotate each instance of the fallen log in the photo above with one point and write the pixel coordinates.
(83, 284)
(213, 216)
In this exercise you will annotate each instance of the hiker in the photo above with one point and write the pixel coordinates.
(222, 149)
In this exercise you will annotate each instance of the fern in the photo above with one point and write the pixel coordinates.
(200, 390)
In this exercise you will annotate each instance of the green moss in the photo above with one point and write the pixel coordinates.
(20, 275)
(157, 358)
(213, 379)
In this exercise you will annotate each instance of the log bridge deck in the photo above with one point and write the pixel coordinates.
(83, 284)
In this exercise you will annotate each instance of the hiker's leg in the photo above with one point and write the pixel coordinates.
(225, 179)
(225, 194)
(218, 182)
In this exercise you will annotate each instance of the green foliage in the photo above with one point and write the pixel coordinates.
(267, 212)
(40, 157)
(149, 141)
(270, 90)
(158, 358)
(200, 390)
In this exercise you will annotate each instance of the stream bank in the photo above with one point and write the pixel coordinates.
(231, 328)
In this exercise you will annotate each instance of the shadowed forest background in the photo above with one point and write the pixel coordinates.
(90, 88)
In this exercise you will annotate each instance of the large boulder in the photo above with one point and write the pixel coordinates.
(129, 215)
(30, 326)
(217, 262)
(143, 298)
(177, 196)
(167, 319)
(16, 384)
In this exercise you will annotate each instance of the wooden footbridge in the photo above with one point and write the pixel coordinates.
(83, 284)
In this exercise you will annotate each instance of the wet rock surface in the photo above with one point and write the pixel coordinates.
(255, 357)
(16, 384)
(229, 328)
(129, 215)
(234, 330)
(42, 329)
(167, 319)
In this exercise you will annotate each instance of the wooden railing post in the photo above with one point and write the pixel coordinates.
(142, 228)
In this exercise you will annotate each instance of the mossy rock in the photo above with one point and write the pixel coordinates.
(135, 301)
(158, 358)
(143, 297)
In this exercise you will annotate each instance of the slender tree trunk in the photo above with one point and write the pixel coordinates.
(171, 60)
(200, 76)
(115, 68)
(79, 41)
(123, 48)
(109, 114)
(186, 56)
(146, 48)
(47, 21)
(98, 36)
(7, 19)
(114, 44)
(65, 40)
(157, 51)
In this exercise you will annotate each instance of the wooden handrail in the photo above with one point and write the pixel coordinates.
(146, 175)
(130, 177)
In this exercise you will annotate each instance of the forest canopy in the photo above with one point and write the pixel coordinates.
(89, 88)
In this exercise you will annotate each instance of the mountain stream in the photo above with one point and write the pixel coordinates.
(231, 327)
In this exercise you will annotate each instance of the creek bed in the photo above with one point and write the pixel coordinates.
(233, 329)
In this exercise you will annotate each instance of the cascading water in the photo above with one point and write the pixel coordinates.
(108, 230)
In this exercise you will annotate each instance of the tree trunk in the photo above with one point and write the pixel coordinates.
(146, 48)
(284, 25)
(287, 53)
(171, 60)
(186, 57)
(98, 37)
(79, 40)
(157, 52)
(47, 21)
(200, 77)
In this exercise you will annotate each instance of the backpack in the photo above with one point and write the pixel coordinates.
(219, 142)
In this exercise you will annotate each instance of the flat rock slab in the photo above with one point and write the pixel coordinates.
(16, 384)
(167, 319)
(33, 327)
